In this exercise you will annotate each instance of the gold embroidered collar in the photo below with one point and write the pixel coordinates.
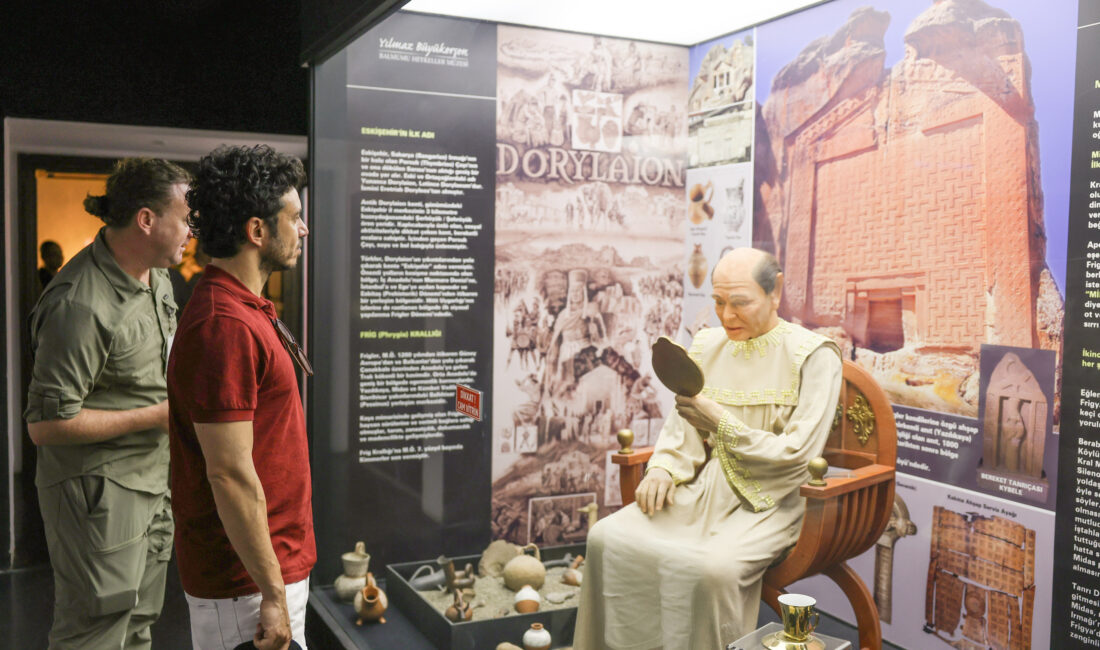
(771, 339)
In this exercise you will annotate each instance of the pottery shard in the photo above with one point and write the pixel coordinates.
(559, 597)
(495, 556)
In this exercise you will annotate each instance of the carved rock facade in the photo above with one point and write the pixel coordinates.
(905, 204)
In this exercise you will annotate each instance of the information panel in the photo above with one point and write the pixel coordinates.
(1077, 539)
(421, 113)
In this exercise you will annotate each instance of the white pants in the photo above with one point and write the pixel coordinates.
(225, 623)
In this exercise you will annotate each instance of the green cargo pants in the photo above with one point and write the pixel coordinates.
(109, 547)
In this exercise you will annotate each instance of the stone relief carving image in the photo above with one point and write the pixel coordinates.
(905, 203)
(1016, 421)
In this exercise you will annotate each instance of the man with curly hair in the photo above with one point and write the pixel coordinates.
(97, 410)
(240, 459)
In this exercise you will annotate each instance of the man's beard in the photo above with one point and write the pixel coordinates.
(275, 257)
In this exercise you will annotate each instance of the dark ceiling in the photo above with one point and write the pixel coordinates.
(209, 64)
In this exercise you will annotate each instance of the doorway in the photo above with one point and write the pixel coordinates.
(49, 196)
(885, 331)
(49, 167)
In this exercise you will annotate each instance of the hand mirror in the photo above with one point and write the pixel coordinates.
(676, 370)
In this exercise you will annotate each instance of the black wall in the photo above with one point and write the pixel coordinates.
(204, 64)
(329, 25)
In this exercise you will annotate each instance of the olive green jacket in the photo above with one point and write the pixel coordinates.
(100, 340)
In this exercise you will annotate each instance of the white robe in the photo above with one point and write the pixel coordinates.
(689, 576)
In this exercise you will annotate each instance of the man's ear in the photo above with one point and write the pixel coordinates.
(144, 219)
(777, 292)
(255, 230)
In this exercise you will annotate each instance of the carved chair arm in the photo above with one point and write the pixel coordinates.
(631, 468)
(639, 457)
(631, 471)
(856, 479)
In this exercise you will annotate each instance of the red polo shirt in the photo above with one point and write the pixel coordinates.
(228, 365)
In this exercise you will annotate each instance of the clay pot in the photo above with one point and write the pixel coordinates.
(527, 600)
(459, 610)
(697, 267)
(525, 570)
(573, 575)
(508, 646)
(347, 586)
(356, 562)
(355, 573)
(536, 638)
(371, 602)
(700, 197)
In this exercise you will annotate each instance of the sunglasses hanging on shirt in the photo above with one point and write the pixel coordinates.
(291, 345)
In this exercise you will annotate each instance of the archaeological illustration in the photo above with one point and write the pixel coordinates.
(589, 267)
(981, 581)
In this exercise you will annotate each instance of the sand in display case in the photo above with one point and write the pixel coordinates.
(494, 617)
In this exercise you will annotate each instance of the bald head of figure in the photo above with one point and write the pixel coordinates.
(748, 285)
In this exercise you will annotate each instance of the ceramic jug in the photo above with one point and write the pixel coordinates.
(525, 570)
(459, 610)
(355, 573)
(427, 579)
(697, 267)
(527, 600)
(536, 638)
(700, 196)
(572, 575)
(371, 602)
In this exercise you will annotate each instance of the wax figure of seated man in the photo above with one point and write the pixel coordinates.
(682, 566)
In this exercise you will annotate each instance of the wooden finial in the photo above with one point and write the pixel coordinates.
(626, 438)
(818, 467)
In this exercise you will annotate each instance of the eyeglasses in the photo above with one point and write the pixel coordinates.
(291, 345)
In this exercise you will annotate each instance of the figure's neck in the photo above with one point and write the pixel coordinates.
(772, 324)
(123, 245)
(245, 266)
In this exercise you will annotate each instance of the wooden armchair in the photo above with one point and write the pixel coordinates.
(846, 513)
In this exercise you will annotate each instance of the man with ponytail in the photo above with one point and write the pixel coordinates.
(97, 410)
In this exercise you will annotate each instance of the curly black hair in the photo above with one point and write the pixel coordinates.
(134, 184)
(234, 184)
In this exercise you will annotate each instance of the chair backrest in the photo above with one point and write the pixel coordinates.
(863, 430)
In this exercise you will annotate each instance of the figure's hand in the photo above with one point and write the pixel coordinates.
(655, 490)
(703, 413)
(273, 629)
